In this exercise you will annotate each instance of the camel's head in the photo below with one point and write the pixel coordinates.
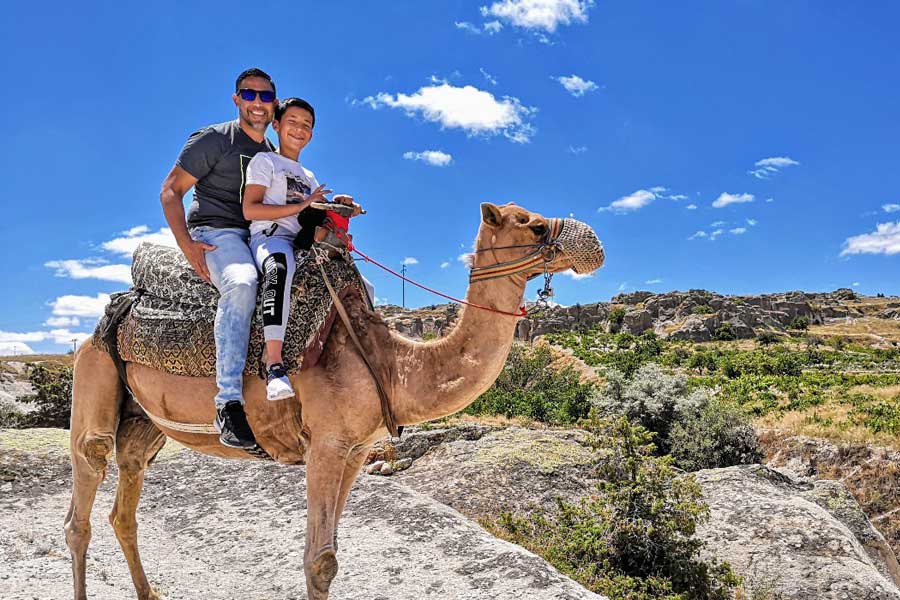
(513, 240)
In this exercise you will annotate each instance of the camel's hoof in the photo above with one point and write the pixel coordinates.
(323, 570)
(152, 595)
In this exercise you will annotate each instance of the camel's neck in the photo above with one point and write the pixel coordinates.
(440, 378)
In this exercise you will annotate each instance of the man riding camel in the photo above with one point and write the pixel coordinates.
(215, 237)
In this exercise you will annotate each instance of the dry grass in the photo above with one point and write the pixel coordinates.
(59, 359)
(861, 329)
(882, 393)
(831, 421)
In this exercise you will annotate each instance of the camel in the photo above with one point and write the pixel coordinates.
(341, 410)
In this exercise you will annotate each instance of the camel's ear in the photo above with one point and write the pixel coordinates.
(490, 214)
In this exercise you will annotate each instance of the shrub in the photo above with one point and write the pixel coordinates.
(10, 416)
(528, 386)
(653, 399)
(53, 396)
(702, 309)
(716, 435)
(724, 333)
(616, 318)
(702, 362)
(800, 322)
(767, 338)
(634, 539)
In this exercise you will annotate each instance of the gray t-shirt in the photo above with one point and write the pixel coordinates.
(218, 156)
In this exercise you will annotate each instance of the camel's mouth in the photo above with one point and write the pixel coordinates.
(578, 243)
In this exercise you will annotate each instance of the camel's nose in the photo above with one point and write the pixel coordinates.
(578, 242)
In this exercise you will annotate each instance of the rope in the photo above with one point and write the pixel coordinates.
(521, 313)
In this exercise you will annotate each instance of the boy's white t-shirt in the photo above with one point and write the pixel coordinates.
(286, 181)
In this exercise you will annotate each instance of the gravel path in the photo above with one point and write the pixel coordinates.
(216, 529)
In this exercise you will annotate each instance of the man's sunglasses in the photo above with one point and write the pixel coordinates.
(250, 95)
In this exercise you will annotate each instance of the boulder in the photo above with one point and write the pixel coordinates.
(774, 531)
(694, 328)
(637, 321)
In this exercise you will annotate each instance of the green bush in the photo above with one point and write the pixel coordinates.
(767, 338)
(52, 397)
(10, 416)
(716, 435)
(528, 386)
(724, 333)
(702, 309)
(800, 322)
(634, 539)
(652, 398)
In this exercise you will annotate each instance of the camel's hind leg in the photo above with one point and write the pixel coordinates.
(96, 396)
(137, 442)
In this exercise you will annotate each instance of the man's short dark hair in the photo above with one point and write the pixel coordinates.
(254, 72)
(294, 102)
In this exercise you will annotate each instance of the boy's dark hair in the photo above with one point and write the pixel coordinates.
(254, 72)
(294, 102)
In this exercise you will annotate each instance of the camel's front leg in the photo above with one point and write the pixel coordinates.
(351, 471)
(325, 470)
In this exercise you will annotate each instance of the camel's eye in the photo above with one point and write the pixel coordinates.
(539, 230)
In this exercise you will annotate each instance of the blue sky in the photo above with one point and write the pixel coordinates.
(743, 146)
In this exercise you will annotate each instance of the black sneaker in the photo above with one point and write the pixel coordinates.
(231, 422)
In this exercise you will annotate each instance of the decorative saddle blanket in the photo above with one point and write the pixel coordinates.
(170, 324)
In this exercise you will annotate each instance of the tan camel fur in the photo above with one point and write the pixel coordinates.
(341, 416)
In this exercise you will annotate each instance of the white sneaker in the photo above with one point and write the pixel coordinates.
(278, 386)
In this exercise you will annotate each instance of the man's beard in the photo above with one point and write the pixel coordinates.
(259, 126)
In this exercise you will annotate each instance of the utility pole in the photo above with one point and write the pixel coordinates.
(403, 272)
(74, 340)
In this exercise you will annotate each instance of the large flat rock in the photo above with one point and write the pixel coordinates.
(215, 529)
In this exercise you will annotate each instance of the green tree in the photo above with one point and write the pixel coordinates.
(52, 397)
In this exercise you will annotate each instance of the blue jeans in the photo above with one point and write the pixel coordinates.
(233, 272)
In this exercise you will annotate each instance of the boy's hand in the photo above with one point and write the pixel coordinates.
(318, 195)
(195, 253)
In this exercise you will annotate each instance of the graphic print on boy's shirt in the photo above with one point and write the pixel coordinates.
(297, 189)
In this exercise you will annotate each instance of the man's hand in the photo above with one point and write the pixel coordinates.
(195, 253)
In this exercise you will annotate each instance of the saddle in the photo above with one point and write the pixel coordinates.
(169, 326)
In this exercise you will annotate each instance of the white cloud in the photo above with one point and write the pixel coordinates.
(28, 336)
(855, 284)
(445, 264)
(889, 208)
(577, 276)
(632, 201)
(575, 85)
(622, 286)
(410, 260)
(725, 199)
(716, 233)
(475, 111)
(64, 336)
(767, 167)
(466, 26)
(691, 207)
(133, 237)
(80, 306)
(466, 258)
(752, 222)
(492, 27)
(653, 281)
(677, 197)
(884, 240)
(717, 223)
(62, 322)
(432, 157)
(576, 150)
(770, 200)
(699, 234)
(90, 269)
(544, 15)
(14, 348)
(659, 189)
(490, 78)
(737, 230)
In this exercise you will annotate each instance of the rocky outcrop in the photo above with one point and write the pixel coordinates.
(800, 539)
(790, 537)
(694, 315)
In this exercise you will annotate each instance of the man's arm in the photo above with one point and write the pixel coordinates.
(174, 187)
